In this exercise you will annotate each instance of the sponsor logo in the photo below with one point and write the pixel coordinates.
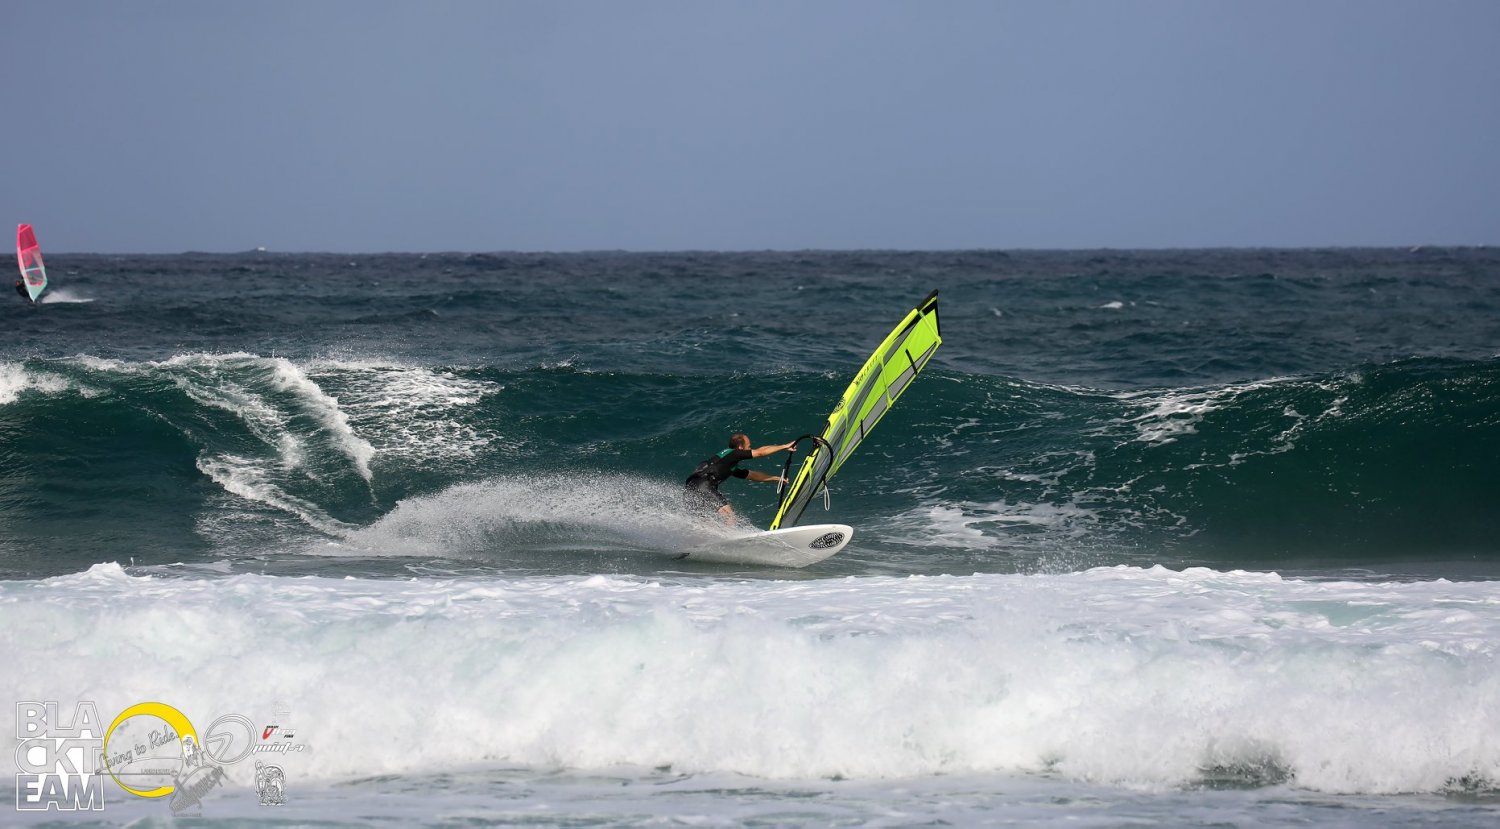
(150, 750)
(270, 784)
(827, 540)
(57, 759)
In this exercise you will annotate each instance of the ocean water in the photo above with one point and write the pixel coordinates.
(1188, 537)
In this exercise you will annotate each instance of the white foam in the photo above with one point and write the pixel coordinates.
(304, 432)
(976, 525)
(408, 411)
(207, 379)
(248, 479)
(378, 407)
(264, 420)
(204, 378)
(14, 379)
(326, 409)
(1169, 414)
(1148, 678)
(494, 518)
(65, 295)
(107, 364)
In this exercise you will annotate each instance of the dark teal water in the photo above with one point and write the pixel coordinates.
(1306, 411)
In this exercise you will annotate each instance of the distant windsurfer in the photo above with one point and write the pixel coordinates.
(25, 294)
(703, 485)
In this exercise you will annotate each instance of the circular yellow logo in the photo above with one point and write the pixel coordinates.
(148, 753)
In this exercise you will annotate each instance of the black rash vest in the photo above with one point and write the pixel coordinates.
(717, 470)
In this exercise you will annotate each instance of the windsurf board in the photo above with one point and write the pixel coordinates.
(791, 547)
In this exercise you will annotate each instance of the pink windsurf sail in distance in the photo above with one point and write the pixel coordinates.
(29, 254)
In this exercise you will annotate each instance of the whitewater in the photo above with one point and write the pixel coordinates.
(1144, 678)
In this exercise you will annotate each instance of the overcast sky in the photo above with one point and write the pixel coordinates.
(367, 125)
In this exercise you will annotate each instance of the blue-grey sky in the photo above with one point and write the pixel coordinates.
(369, 125)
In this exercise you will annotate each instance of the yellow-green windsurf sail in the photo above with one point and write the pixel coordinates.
(883, 378)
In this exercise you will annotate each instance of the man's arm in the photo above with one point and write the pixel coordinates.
(761, 477)
(771, 450)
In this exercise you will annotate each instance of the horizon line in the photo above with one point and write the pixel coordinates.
(1410, 248)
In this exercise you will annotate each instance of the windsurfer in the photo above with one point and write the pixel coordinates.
(703, 485)
(21, 289)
